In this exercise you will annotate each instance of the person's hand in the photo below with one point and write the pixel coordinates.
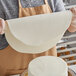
(72, 27)
(2, 25)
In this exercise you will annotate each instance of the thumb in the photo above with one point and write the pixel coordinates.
(2, 25)
(73, 10)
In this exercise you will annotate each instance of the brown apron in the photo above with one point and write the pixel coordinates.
(13, 62)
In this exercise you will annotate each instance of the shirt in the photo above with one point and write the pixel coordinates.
(9, 9)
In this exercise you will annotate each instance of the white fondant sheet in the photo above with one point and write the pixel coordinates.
(36, 34)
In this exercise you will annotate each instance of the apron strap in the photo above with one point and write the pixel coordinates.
(46, 2)
(20, 6)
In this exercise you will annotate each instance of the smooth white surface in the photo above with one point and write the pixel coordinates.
(36, 34)
(48, 66)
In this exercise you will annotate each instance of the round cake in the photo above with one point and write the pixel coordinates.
(48, 66)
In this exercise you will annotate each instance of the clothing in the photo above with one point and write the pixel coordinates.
(42, 9)
(3, 42)
(13, 62)
(9, 10)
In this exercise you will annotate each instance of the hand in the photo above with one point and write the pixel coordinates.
(2, 26)
(72, 27)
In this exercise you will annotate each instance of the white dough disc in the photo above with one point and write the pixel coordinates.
(36, 34)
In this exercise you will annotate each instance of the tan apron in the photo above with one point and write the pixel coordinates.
(13, 62)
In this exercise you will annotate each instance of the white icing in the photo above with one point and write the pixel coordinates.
(48, 66)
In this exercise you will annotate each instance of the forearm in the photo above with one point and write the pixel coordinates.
(72, 27)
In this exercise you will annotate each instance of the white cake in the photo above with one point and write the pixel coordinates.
(48, 66)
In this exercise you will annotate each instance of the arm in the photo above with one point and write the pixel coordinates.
(72, 27)
(2, 22)
(59, 6)
(2, 26)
